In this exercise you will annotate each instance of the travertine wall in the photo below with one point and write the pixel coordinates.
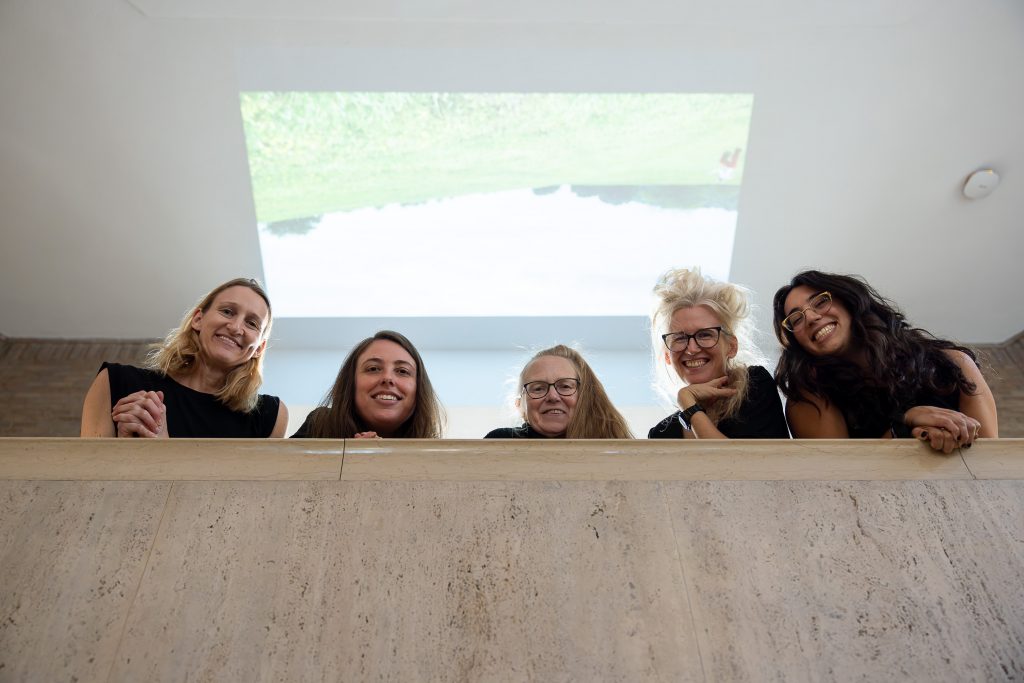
(588, 561)
(43, 382)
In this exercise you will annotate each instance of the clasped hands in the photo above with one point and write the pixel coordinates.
(941, 428)
(141, 414)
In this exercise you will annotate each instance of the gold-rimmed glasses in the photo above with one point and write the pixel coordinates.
(819, 303)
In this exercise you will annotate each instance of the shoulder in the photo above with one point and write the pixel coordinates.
(521, 432)
(963, 361)
(503, 433)
(760, 379)
(126, 379)
(303, 431)
(669, 428)
(268, 404)
(130, 372)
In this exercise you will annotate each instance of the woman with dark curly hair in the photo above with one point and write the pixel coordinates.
(852, 366)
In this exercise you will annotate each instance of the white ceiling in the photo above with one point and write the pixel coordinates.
(125, 190)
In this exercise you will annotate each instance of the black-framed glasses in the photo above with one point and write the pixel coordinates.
(705, 338)
(567, 386)
(819, 303)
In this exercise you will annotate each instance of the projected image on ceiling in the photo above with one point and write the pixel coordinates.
(475, 204)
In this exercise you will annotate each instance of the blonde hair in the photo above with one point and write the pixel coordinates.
(179, 351)
(594, 416)
(687, 288)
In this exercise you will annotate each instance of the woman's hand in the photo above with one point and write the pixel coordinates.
(141, 414)
(943, 429)
(366, 435)
(704, 394)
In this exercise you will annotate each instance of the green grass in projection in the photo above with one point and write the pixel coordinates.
(314, 153)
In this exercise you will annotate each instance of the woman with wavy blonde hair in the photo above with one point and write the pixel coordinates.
(697, 328)
(203, 381)
(561, 397)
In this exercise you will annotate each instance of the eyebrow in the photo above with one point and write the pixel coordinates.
(809, 297)
(397, 362)
(228, 302)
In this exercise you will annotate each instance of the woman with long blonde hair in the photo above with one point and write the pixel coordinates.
(202, 382)
(561, 397)
(697, 328)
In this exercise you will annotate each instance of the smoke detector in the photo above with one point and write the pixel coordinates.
(981, 183)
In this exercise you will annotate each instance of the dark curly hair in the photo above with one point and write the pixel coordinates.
(903, 362)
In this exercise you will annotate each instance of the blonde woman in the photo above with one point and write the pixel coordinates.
(561, 397)
(202, 382)
(699, 330)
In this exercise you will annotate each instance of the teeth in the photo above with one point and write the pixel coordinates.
(386, 397)
(824, 332)
(695, 363)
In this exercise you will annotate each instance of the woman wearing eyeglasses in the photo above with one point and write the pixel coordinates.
(698, 325)
(561, 397)
(853, 367)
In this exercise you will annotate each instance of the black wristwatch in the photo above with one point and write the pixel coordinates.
(690, 412)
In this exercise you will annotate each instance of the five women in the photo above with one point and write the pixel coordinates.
(851, 366)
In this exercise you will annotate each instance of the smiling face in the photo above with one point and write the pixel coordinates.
(693, 364)
(231, 329)
(825, 334)
(551, 414)
(385, 387)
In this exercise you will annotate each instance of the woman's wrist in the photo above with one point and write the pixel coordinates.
(686, 399)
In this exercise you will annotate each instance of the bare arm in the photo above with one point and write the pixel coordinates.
(981, 405)
(816, 418)
(281, 425)
(96, 420)
(706, 394)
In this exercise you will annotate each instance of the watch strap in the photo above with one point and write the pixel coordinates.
(690, 412)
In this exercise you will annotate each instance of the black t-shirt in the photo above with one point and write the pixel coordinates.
(190, 413)
(523, 432)
(759, 417)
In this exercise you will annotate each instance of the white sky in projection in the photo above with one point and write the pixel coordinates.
(418, 204)
(510, 253)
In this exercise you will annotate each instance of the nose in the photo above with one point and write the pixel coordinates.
(809, 312)
(552, 395)
(696, 347)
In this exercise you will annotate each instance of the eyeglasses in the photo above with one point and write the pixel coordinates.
(567, 386)
(819, 303)
(706, 338)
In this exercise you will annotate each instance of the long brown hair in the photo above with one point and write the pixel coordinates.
(180, 350)
(594, 417)
(337, 417)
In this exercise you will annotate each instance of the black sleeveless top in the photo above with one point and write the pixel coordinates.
(190, 413)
